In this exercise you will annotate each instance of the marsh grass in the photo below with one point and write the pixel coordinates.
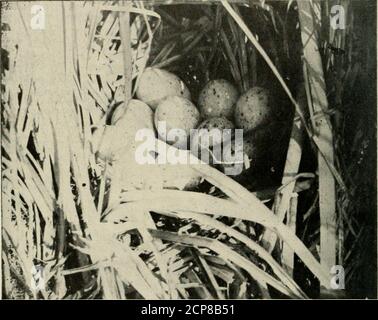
(62, 207)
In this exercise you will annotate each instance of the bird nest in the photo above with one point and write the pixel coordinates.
(76, 205)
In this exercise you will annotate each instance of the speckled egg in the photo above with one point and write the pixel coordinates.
(137, 114)
(250, 153)
(178, 113)
(119, 137)
(219, 123)
(157, 84)
(217, 99)
(253, 109)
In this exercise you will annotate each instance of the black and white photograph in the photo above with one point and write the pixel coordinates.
(189, 150)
